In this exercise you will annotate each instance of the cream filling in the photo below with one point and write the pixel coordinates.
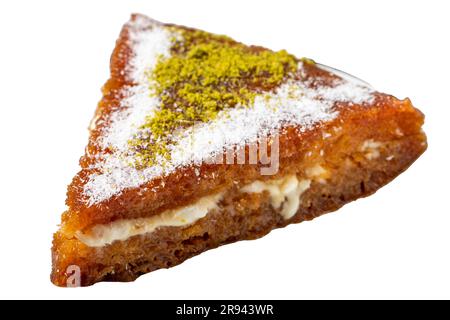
(371, 149)
(284, 193)
(104, 234)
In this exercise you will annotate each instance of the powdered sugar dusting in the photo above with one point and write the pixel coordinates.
(346, 91)
(125, 123)
(293, 103)
(149, 41)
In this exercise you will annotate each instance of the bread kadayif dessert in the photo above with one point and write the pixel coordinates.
(201, 141)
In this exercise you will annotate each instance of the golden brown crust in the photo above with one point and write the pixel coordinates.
(240, 216)
(161, 191)
(183, 186)
(395, 123)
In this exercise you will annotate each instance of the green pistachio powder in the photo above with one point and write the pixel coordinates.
(204, 75)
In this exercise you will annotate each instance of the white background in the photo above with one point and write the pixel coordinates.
(54, 58)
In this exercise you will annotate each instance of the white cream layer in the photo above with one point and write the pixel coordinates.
(284, 193)
(104, 234)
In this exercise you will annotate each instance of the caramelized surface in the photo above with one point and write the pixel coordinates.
(335, 145)
(239, 216)
(184, 186)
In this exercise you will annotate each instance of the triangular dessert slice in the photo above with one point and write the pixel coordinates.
(200, 141)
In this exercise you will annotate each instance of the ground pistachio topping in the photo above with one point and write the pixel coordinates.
(204, 75)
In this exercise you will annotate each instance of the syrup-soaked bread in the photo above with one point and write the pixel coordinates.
(337, 140)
